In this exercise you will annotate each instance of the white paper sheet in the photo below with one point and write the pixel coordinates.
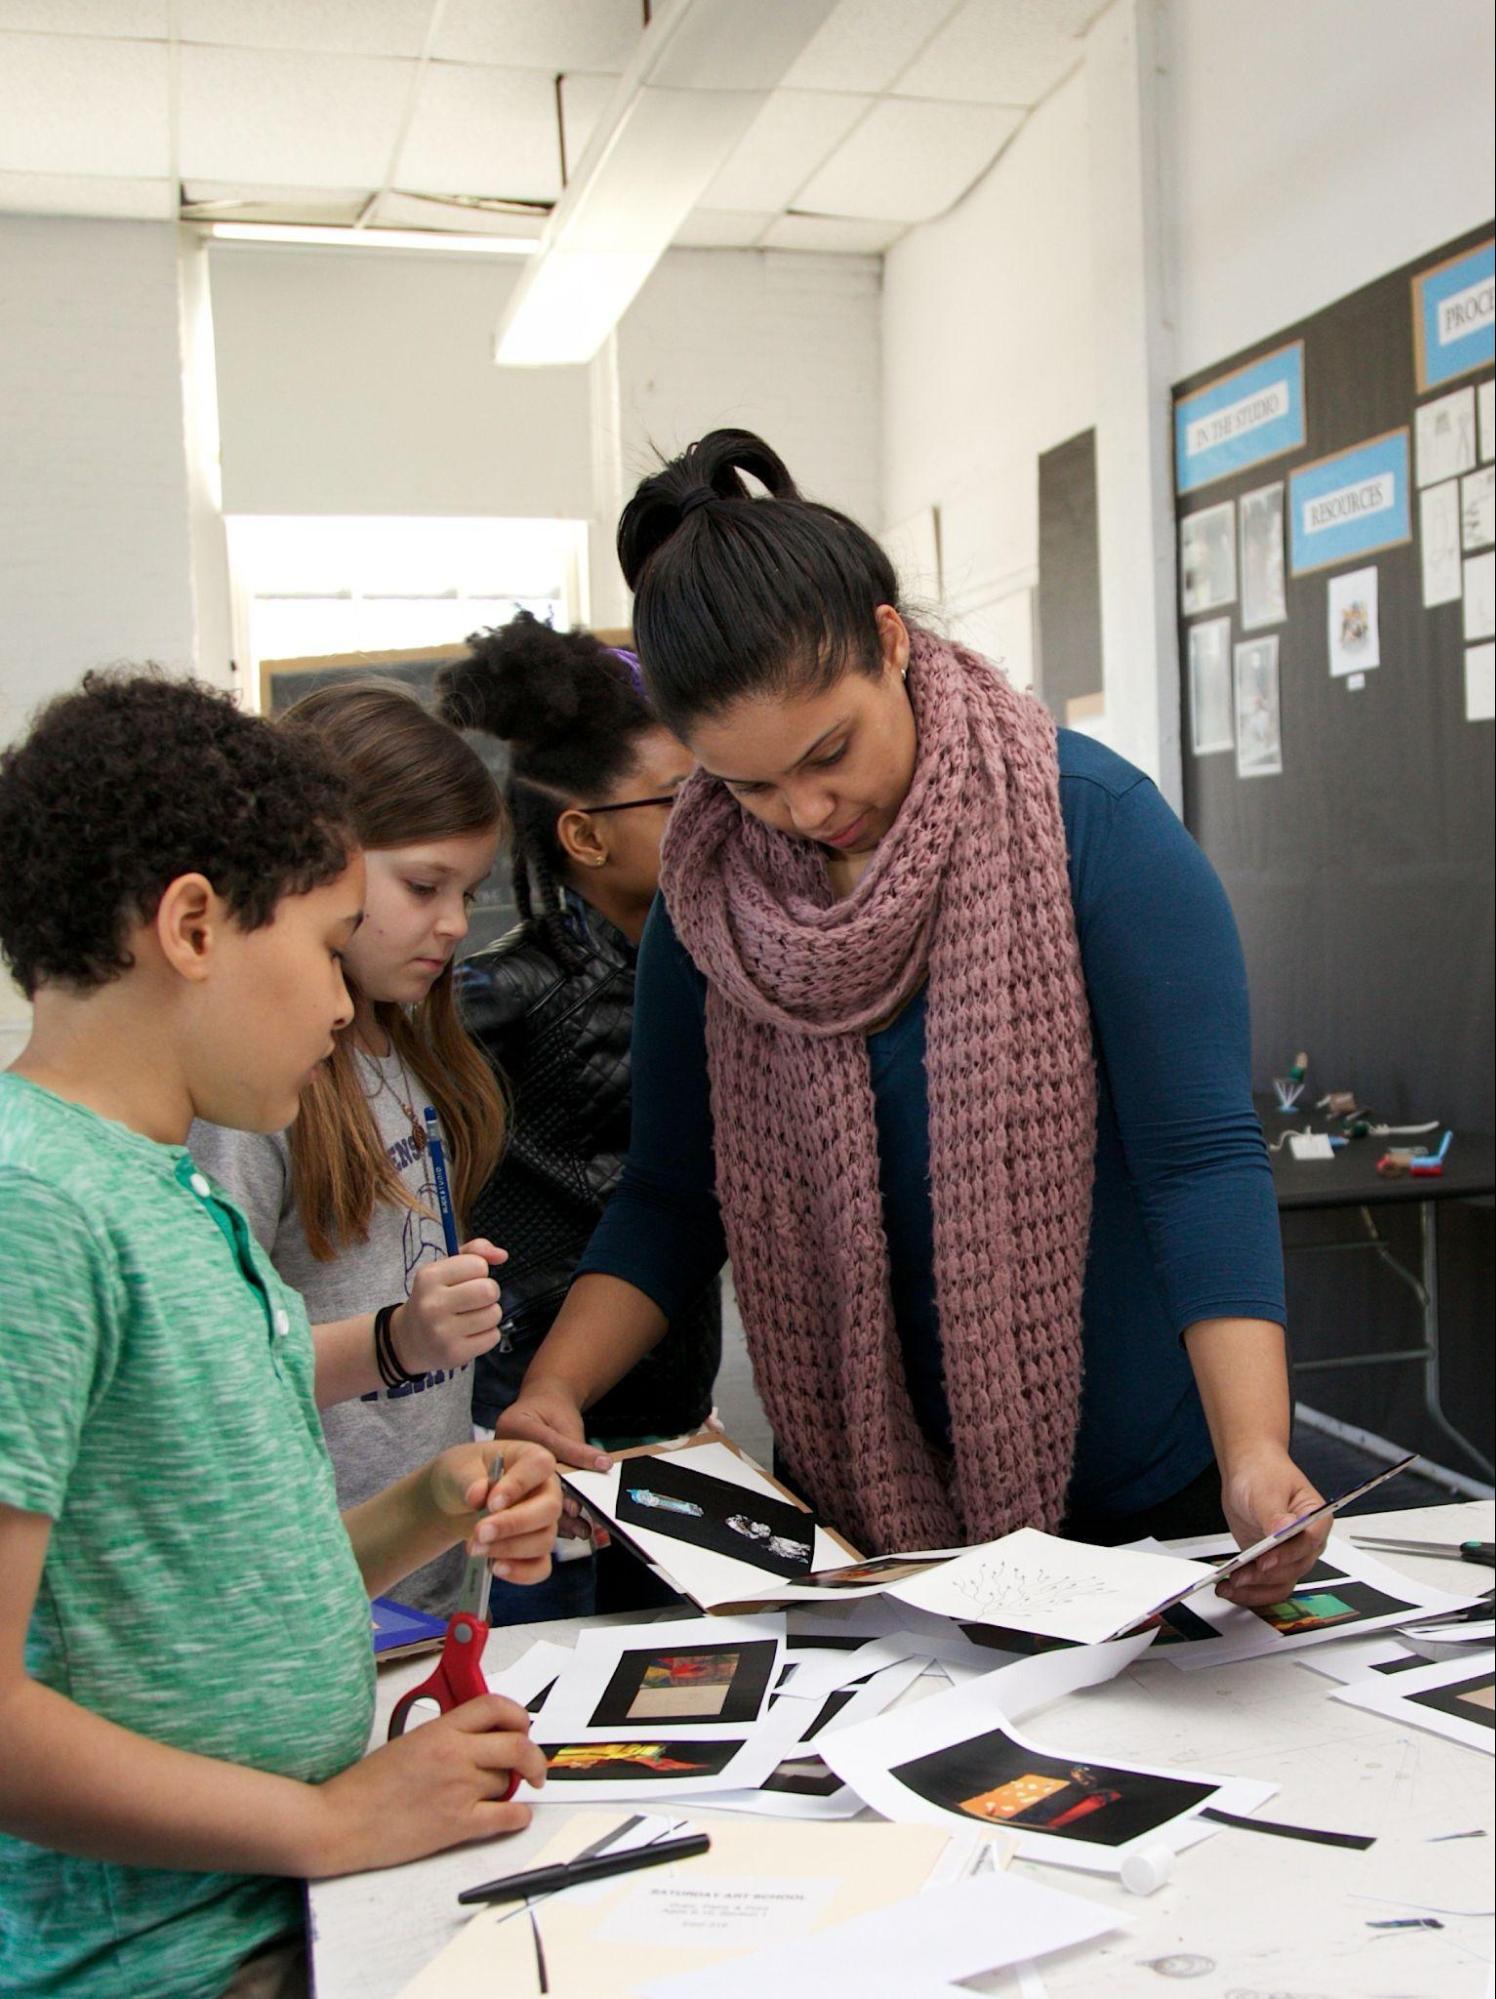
(720, 1665)
(1480, 683)
(532, 1673)
(1446, 436)
(1439, 538)
(1480, 596)
(1354, 626)
(803, 1785)
(945, 1934)
(961, 1757)
(1372, 1598)
(1478, 508)
(1487, 398)
(1353, 1658)
(1036, 1582)
(1453, 1698)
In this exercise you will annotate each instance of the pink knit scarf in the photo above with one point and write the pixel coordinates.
(969, 890)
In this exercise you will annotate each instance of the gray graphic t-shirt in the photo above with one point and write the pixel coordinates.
(382, 1436)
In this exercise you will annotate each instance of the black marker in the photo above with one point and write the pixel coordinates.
(545, 1880)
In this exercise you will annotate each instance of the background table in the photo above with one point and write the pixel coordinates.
(1350, 1181)
(1269, 1916)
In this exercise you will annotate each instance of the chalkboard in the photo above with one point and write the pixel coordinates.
(284, 682)
(1362, 874)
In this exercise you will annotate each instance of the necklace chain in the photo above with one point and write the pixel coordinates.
(383, 1085)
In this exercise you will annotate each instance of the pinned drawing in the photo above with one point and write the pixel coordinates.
(1207, 559)
(1439, 533)
(1259, 725)
(1354, 629)
(1263, 597)
(1210, 687)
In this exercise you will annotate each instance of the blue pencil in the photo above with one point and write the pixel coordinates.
(438, 1159)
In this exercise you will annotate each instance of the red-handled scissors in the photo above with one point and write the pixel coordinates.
(459, 1671)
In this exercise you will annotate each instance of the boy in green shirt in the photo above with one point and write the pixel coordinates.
(186, 1677)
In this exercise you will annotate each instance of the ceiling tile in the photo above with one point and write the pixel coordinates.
(243, 201)
(584, 99)
(83, 194)
(841, 233)
(397, 209)
(865, 44)
(551, 35)
(909, 160)
(252, 115)
(796, 131)
(483, 131)
(1001, 51)
(335, 27)
(722, 229)
(147, 20)
(69, 105)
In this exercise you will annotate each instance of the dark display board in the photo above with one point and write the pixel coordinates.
(1362, 873)
(1069, 663)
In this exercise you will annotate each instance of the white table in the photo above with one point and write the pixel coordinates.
(1245, 1916)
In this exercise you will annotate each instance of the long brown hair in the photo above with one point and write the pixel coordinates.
(411, 779)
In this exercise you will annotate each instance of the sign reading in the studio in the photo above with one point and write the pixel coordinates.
(1253, 413)
(1350, 504)
(1454, 316)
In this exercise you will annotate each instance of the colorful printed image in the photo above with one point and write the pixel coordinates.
(702, 1683)
(1326, 1599)
(691, 1506)
(1472, 1700)
(628, 1761)
(997, 1780)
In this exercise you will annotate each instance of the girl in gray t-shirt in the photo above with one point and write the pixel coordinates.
(343, 1201)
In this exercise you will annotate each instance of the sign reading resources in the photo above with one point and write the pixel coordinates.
(1454, 316)
(1253, 413)
(1350, 504)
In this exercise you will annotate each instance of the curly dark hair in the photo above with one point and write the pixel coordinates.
(133, 780)
(570, 710)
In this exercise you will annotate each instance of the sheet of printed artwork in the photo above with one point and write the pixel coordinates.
(1347, 1593)
(686, 1677)
(1455, 1698)
(728, 1539)
(601, 1766)
(962, 1757)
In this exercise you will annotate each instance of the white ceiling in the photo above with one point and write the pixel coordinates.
(451, 113)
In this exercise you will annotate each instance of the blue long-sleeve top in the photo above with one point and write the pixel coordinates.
(1184, 1224)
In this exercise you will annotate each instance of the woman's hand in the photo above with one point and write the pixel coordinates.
(452, 1314)
(547, 1414)
(1261, 1493)
(512, 1498)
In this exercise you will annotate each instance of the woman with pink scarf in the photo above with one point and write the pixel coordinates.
(941, 1034)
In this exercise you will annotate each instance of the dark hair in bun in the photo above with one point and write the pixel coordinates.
(737, 594)
(570, 710)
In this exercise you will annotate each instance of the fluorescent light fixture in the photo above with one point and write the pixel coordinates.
(701, 75)
(375, 239)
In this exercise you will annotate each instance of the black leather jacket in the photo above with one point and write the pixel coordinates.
(559, 1039)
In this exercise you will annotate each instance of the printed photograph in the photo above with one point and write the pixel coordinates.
(627, 1761)
(1263, 601)
(881, 1569)
(1259, 728)
(1210, 687)
(997, 1780)
(806, 1775)
(705, 1512)
(1325, 1599)
(705, 1683)
(1207, 559)
(1471, 1700)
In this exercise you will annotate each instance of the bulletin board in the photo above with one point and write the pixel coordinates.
(1334, 500)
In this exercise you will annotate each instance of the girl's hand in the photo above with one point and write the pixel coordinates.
(426, 1791)
(547, 1415)
(1260, 1494)
(512, 1499)
(452, 1314)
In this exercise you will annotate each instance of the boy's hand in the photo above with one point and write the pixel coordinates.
(434, 1788)
(452, 1314)
(513, 1515)
(547, 1415)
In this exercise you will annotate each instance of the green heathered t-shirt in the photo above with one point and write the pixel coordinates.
(156, 1404)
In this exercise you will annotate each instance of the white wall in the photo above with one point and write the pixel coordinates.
(97, 503)
(363, 383)
(783, 344)
(1300, 149)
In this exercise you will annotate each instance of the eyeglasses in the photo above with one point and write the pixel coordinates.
(631, 804)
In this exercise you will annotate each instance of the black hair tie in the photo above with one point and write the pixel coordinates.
(697, 497)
